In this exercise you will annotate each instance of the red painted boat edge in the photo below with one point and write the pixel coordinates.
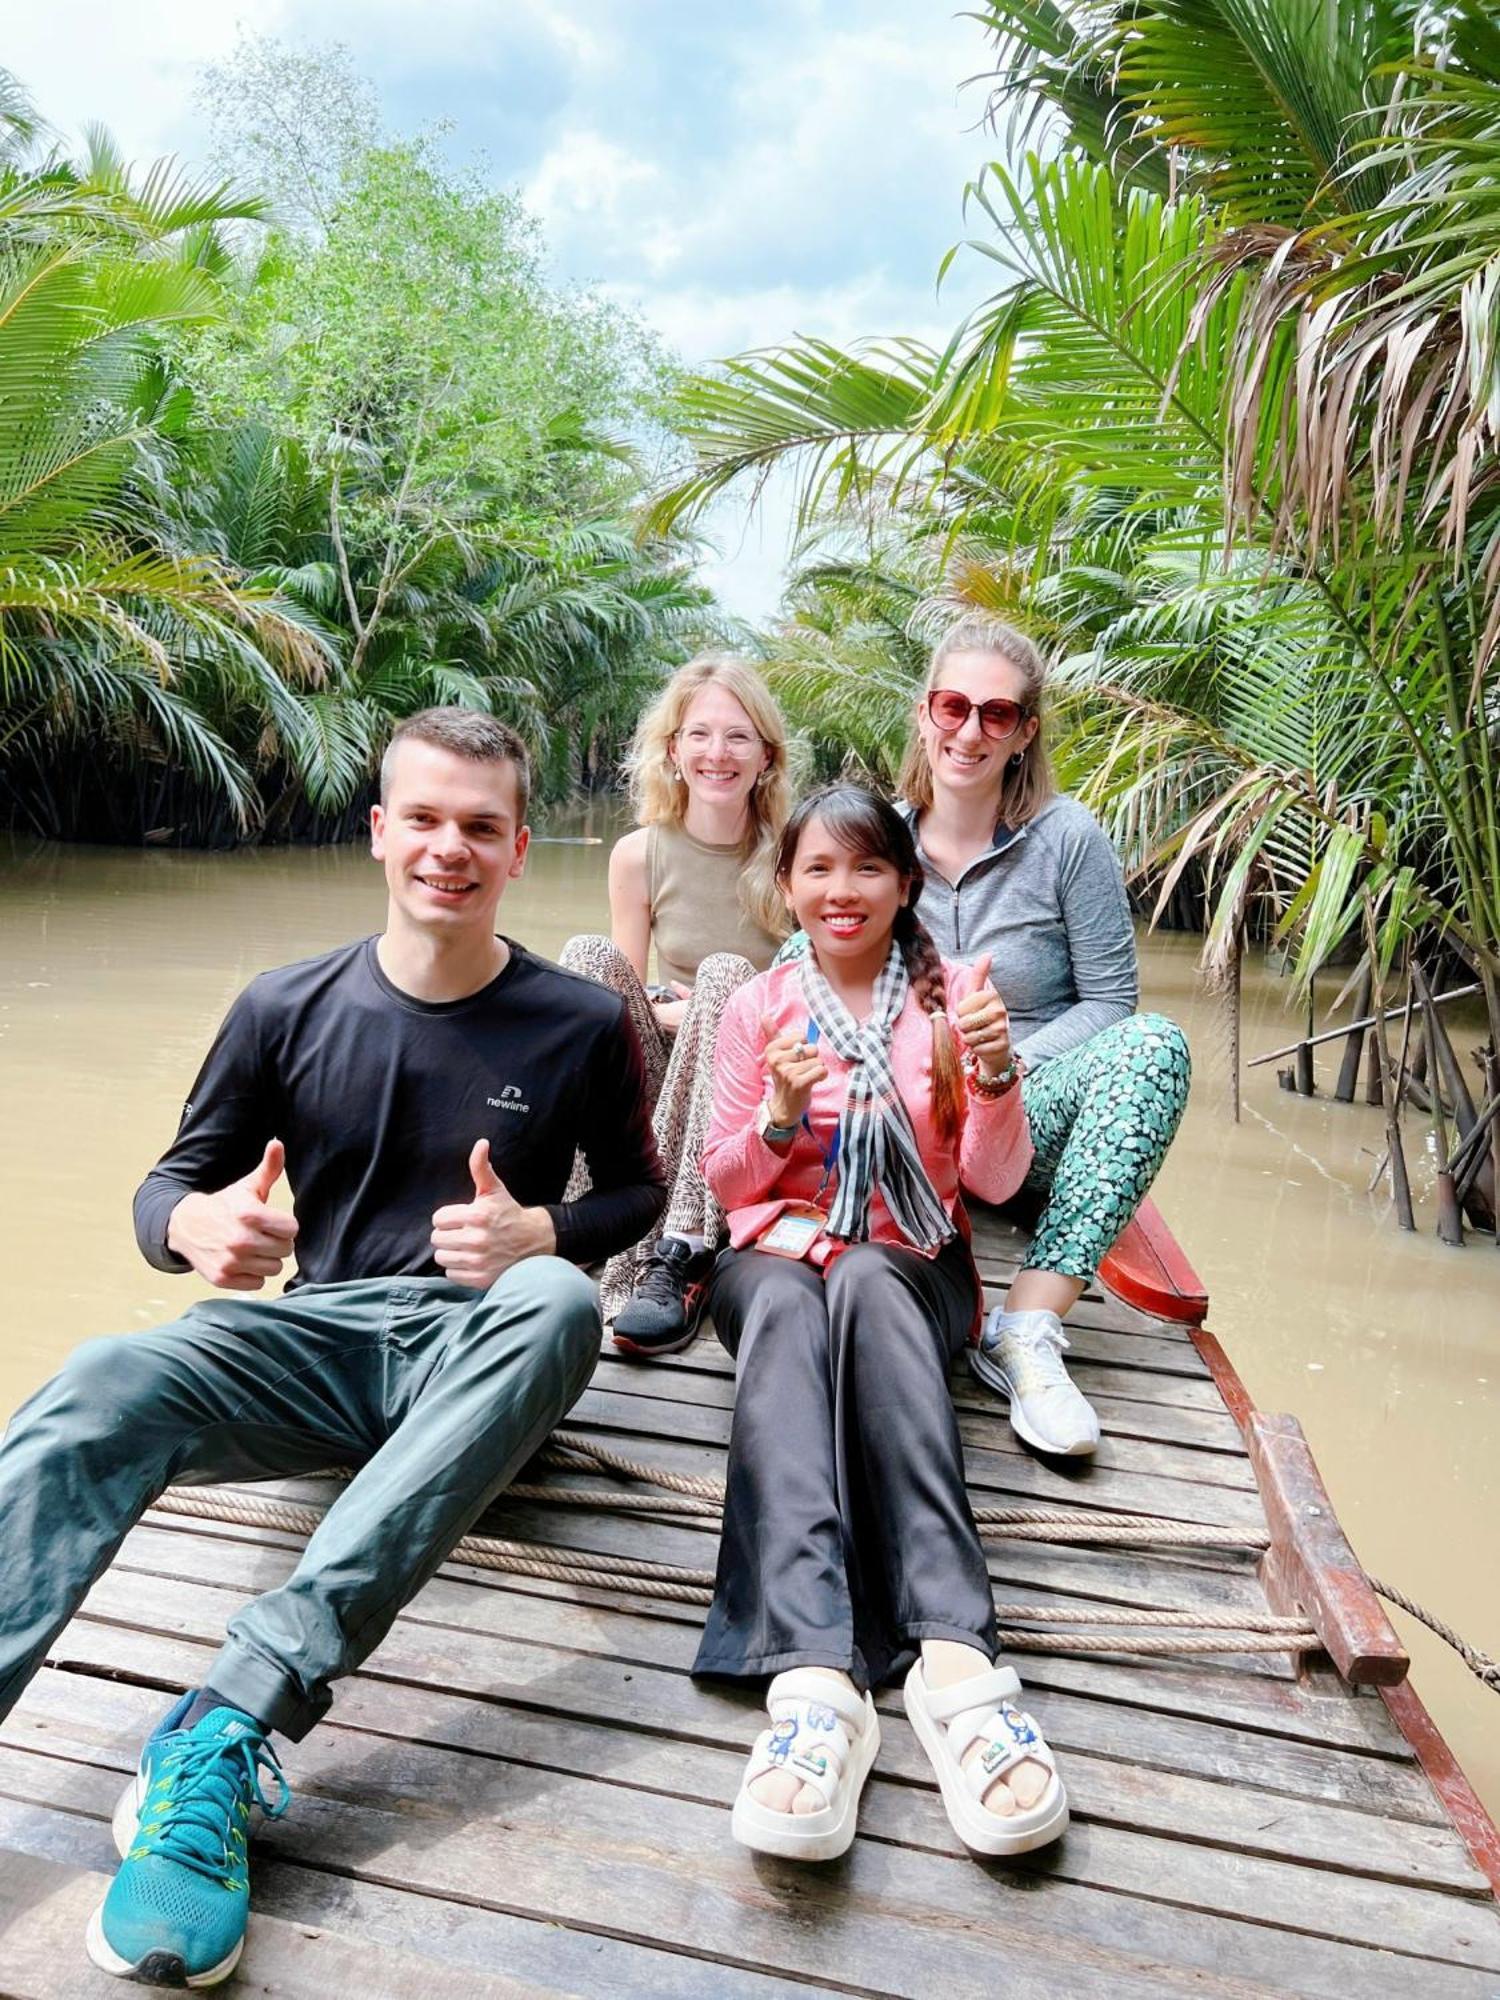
(1147, 1268)
(1444, 1773)
(1446, 1776)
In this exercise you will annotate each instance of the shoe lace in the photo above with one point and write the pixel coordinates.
(664, 1277)
(1033, 1353)
(197, 1809)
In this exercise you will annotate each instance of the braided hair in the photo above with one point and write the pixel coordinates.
(929, 984)
(866, 824)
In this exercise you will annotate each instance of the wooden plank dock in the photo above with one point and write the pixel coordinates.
(524, 1793)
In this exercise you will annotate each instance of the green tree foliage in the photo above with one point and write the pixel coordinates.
(272, 477)
(112, 633)
(1225, 433)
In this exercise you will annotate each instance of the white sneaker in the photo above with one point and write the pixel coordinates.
(1020, 1355)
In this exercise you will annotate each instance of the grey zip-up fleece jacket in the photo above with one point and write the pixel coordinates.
(1048, 900)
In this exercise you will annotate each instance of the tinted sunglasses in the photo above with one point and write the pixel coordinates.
(950, 710)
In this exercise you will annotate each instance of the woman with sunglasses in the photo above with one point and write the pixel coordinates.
(857, 1089)
(694, 881)
(1018, 872)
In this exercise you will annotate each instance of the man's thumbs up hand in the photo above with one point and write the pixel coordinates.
(486, 1180)
(268, 1173)
(233, 1237)
(474, 1241)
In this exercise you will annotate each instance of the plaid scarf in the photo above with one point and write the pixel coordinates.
(877, 1145)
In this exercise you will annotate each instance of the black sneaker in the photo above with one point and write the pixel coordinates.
(662, 1313)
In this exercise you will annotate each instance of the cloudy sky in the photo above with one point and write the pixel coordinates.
(736, 173)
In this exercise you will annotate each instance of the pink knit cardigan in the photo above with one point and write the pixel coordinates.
(752, 1181)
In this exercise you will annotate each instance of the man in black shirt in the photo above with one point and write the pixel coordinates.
(424, 1092)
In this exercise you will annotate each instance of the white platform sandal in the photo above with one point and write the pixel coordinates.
(827, 1737)
(947, 1720)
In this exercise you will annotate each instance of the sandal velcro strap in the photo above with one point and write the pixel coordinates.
(798, 1686)
(979, 1691)
(1010, 1738)
(808, 1742)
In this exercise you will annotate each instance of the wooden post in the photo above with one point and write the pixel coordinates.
(1416, 1072)
(1472, 1155)
(1447, 1071)
(1374, 1083)
(1343, 1090)
(1471, 1163)
(1310, 1568)
(1450, 1224)
(1236, 996)
(1306, 1083)
(1400, 1184)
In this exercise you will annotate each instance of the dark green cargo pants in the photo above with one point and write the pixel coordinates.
(437, 1394)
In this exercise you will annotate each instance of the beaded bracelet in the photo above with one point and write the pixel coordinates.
(992, 1086)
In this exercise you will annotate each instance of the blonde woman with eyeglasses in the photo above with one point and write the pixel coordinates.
(694, 882)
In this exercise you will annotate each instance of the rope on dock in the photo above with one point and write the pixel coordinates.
(564, 1448)
(701, 1498)
(1130, 1631)
(1023, 1524)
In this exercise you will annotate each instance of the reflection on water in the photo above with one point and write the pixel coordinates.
(116, 966)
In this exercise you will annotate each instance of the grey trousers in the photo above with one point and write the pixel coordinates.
(848, 1536)
(438, 1394)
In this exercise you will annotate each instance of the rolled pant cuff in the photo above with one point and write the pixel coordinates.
(248, 1680)
(764, 1665)
(961, 1635)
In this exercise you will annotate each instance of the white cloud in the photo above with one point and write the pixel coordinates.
(589, 183)
(130, 66)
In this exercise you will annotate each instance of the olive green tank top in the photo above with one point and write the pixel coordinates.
(694, 890)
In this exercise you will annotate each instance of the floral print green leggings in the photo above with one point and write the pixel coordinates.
(1102, 1117)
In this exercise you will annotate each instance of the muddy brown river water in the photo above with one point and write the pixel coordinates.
(115, 967)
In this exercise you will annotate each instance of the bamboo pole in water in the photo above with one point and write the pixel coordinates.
(1448, 1073)
(1374, 1080)
(1334, 1034)
(1492, 1079)
(1306, 1084)
(1471, 1156)
(1400, 1183)
(1450, 1224)
(1343, 1090)
(1236, 997)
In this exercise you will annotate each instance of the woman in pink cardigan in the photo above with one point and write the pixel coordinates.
(845, 1122)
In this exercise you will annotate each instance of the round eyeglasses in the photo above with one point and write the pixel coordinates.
(950, 710)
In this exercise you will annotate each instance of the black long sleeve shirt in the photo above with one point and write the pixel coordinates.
(379, 1098)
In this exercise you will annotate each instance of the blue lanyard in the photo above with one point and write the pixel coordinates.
(830, 1152)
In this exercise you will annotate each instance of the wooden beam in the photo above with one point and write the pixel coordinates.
(1310, 1567)
(1349, 1027)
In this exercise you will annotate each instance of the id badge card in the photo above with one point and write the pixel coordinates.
(793, 1233)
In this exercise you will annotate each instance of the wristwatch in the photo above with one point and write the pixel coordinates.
(769, 1130)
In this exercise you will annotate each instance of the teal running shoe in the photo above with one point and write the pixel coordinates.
(175, 1914)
